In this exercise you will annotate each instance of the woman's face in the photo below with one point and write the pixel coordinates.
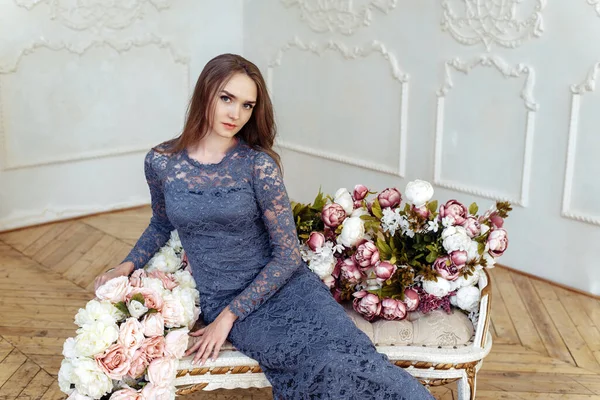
(234, 105)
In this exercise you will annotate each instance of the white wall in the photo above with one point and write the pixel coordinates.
(86, 90)
(364, 90)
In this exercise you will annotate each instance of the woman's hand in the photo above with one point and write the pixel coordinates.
(123, 269)
(212, 337)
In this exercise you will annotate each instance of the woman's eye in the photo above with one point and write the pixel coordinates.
(226, 99)
(248, 106)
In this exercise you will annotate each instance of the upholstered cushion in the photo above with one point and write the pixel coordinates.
(434, 329)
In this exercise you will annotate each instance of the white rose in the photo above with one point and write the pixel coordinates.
(89, 379)
(69, 350)
(98, 311)
(439, 288)
(65, 375)
(467, 298)
(185, 279)
(94, 338)
(352, 231)
(165, 260)
(455, 238)
(344, 199)
(176, 342)
(154, 284)
(114, 290)
(78, 396)
(322, 266)
(418, 192)
(136, 309)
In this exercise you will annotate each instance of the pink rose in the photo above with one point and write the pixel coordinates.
(422, 211)
(115, 361)
(390, 197)
(136, 278)
(153, 392)
(393, 309)
(126, 394)
(139, 363)
(366, 255)
(459, 258)
(161, 371)
(152, 299)
(497, 242)
(153, 325)
(176, 343)
(349, 271)
(329, 281)
(366, 304)
(315, 241)
(131, 334)
(154, 347)
(472, 226)
(447, 270)
(114, 290)
(411, 299)
(496, 220)
(384, 270)
(333, 215)
(360, 192)
(456, 211)
(168, 280)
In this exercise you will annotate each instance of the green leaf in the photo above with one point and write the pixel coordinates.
(384, 249)
(376, 209)
(138, 297)
(393, 259)
(152, 311)
(122, 307)
(431, 257)
(480, 248)
(432, 206)
(473, 208)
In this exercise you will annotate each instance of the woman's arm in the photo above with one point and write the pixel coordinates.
(279, 221)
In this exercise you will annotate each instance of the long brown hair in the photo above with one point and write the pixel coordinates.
(260, 130)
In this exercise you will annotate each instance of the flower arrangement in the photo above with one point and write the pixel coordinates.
(391, 259)
(131, 336)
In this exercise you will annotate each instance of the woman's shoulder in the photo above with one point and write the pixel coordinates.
(159, 155)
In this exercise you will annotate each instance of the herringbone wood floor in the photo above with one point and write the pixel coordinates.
(546, 339)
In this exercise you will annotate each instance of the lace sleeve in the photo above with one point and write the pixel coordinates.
(279, 221)
(159, 230)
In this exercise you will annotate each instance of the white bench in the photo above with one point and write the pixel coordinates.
(432, 364)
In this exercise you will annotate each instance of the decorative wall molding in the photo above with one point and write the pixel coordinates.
(493, 22)
(587, 86)
(530, 105)
(81, 49)
(350, 54)
(96, 14)
(339, 15)
(596, 4)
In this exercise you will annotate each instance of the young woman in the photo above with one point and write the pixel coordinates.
(220, 185)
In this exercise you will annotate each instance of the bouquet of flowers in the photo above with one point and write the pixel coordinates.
(391, 259)
(131, 336)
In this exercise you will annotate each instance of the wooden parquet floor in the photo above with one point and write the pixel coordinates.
(546, 338)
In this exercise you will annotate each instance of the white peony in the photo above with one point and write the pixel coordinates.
(467, 298)
(359, 212)
(418, 192)
(353, 231)
(174, 242)
(455, 238)
(155, 284)
(344, 199)
(94, 338)
(165, 260)
(185, 279)
(322, 266)
(69, 350)
(188, 298)
(472, 251)
(461, 281)
(491, 261)
(89, 379)
(98, 311)
(65, 375)
(136, 309)
(439, 288)
(78, 396)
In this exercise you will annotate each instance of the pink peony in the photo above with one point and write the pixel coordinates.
(360, 192)
(366, 304)
(384, 270)
(139, 363)
(333, 215)
(390, 197)
(136, 278)
(153, 325)
(393, 309)
(411, 299)
(152, 299)
(131, 334)
(472, 226)
(496, 220)
(161, 371)
(454, 210)
(315, 241)
(349, 271)
(366, 255)
(114, 290)
(329, 281)
(114, 361)
(176, 343)
(459, 258)
(422, 211)
(447, 270)
(126, 394)
(168, 280)
(497, 242)
(154, 347)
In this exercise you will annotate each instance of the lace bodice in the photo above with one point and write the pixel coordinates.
(234, 221)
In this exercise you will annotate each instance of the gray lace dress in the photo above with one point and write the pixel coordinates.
(236, 225)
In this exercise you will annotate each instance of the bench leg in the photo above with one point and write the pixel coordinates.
(467, 384)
